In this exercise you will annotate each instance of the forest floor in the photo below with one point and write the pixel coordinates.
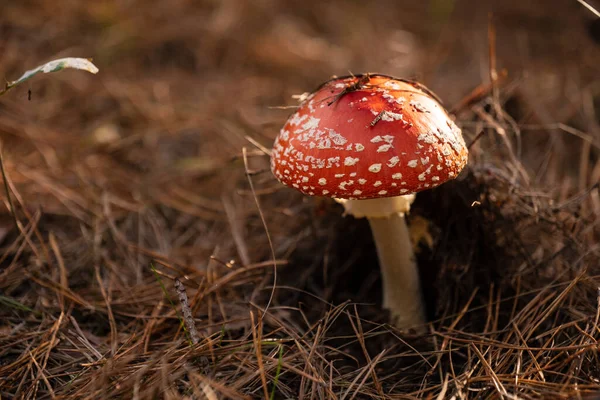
(122, 184)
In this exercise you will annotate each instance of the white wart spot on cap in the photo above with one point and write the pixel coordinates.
(391, 116)
(311, 124)
(375, 168)
(336, 138)
(429, 138)
(297, 119)
(417, 106)
(350, 161)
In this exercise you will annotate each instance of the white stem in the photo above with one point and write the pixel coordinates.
(400, 276)
(399, 272)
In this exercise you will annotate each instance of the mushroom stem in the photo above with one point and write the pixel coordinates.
(400, 276)
(399, 271)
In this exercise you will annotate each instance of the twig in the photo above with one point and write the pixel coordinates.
(361, 81)
(479, 135)
(477, 94)
(186, 310)
(166, 293)
(377, 118)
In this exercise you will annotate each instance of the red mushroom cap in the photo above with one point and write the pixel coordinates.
(368, 136)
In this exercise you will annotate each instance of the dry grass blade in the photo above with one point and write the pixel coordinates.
(354, 388)
(257, 339)
(501, 389)
(589, 7)
(360, 336)
(264, 223)
(13, 213)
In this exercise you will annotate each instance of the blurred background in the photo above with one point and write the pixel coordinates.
(143, 163)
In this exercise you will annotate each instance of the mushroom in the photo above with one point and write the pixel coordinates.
(371, 142)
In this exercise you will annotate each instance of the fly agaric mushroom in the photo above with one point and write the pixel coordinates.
(371, 142)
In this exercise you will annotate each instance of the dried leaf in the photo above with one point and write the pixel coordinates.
(53, 66)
